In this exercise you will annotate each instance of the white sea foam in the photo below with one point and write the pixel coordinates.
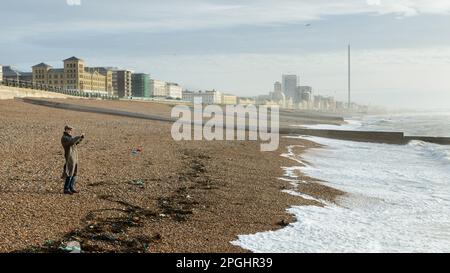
(349, 125)
(399, 201)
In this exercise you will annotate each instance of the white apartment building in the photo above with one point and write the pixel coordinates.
(174, 91)
(1, 73)
(208, 97)
(158, 88)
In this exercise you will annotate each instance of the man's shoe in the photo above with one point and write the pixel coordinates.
(74, 191)
(68, 192)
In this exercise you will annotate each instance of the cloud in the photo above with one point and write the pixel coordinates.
(374, 2)
(231, 44)
(171, 15)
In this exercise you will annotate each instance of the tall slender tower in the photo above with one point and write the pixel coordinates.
(349, 83)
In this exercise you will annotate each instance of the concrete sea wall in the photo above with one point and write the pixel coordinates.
(8, 93)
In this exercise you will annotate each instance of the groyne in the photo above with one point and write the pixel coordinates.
(365, 136)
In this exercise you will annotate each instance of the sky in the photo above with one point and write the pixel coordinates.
(400, 48)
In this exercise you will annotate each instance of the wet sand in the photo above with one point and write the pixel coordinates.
(194, 196)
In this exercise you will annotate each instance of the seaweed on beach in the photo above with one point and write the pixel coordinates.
(111, 233)
(106, 234)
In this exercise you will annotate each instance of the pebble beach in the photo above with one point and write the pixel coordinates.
(140, 191)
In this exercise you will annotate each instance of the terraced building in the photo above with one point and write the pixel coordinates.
(74, 76)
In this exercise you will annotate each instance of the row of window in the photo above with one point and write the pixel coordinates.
(39, 79)
(74, 66)
(72, 84)
(72, 75)
(55, 82)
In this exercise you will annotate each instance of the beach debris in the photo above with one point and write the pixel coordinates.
(49, 243)
(138, 182)
(97, 184)
(71, 247)
(136, 151)
(105, 238)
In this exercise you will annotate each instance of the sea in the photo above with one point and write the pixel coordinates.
(398, 196)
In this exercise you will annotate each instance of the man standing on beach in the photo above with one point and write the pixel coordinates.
(69, 144)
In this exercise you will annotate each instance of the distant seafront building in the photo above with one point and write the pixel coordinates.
(246, 101)
(288, 94)
(107, 73)
(158, 88)
(174, 91)
(306, 93)
(140, 85)
(11, 74)
(74, 76)
(163, 89)
(278, 94)
(277, 87)
(122, 83)
(322, 103)
(229, 99)
(289, 85)
(208, 97)
(77, 77)
(1, 73)
(275, 99)
(297, 95)
(269, 103)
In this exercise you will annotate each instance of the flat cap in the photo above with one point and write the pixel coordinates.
(68, 127)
